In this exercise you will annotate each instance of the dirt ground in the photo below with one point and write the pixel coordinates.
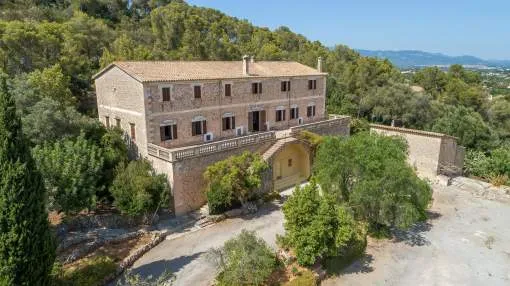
(465, 242)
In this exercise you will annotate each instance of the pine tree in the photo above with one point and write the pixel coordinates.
(27, 247)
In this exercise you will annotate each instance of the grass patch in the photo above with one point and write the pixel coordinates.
(303, 278)
(87, 271)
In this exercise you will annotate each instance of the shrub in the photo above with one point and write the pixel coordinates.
(359, 125)
(130, 279)
(493, 167)
(71, 170)
(318, 228)
(138, 190)
(311, 138)
(233, 179)
(370, 173)
(244, 260)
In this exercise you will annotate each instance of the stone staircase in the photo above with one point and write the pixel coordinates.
(276, 147)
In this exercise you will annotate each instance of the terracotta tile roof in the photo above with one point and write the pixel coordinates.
(151, 71)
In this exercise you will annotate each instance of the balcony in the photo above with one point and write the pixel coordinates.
(178, 154)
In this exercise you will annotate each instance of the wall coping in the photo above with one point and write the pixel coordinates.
(412, 131)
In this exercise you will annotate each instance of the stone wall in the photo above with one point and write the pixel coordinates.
(188, 177)
(429, 153)
(119, 96)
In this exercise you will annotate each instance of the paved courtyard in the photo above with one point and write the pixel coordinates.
(466, 242)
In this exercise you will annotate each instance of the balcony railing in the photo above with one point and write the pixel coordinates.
(208, 148)
(178, 154)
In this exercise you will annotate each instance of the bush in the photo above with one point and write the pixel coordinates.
(370, 173)
(494, 167)
(359, 125)
(311, 138)
(244, 260)
(138, 190)
(316, 227)
(233, 179)
(71, 170)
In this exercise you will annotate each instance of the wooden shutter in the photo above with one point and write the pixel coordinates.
(260, 88)
(198, 91)
(314, 84)
(254, 88)
(204, 127)
(283, 115)
(228, 90)
(162, 133)
(282, 86)
(233, 123)
(224, 123)
(262, 120)
(250, 121)
(174, 131)
(310, 84)
(193, 130)
(288, 87)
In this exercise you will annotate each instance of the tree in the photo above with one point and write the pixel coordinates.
(138, 190)
(51, 83)
(27, 248)
(370, 174)
(233, 179)
(467, 125)
(244, 260)
(72, 171)
(316, 227)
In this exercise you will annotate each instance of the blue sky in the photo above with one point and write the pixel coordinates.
(453, 27)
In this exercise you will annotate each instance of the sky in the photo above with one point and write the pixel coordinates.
(454, 27)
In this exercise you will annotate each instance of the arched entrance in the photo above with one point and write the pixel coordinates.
(291, 165)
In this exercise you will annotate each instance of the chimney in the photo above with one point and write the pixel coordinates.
(252, 59)
(246, 66)
(319, 64)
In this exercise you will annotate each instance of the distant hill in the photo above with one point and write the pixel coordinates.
(410, 58)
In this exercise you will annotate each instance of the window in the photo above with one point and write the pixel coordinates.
(228, 89)
(198, 127)
(280, 115)
(312, 84)
(166, 93)
(228, 123)
(310, 111)
(256, 88)
(107, 121)
(168, 132)
(197, 91)
(133, 131)
(285, 85)
(117, 122)
(289, 162)
(294, 112)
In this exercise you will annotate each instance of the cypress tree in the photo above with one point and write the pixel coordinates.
(27, 245)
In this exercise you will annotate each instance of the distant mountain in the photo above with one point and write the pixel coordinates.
(406, 59)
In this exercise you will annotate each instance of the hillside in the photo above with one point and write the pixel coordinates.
(413, 58)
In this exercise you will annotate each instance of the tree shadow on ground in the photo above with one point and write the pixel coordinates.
(338, 266)
(157, 268)
(414, 236)
(263, 210)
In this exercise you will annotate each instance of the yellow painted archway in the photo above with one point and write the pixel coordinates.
(291, 166)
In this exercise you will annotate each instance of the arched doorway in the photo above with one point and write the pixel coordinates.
(291, 166)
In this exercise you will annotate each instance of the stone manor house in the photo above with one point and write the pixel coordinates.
(185, 115)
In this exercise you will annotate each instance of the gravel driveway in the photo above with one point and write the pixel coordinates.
(466, 242)
(185, 255)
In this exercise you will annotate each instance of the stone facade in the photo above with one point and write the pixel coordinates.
(137, 106)
(430, 153)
